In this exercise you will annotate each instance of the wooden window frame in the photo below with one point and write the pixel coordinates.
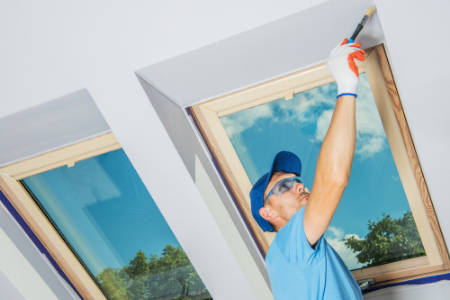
(377, 69)
(36, 219)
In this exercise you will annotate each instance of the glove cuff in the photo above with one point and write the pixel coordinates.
(348, 88)
(346, 94)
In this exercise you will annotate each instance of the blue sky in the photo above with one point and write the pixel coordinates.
(104, 210)
(299, 125)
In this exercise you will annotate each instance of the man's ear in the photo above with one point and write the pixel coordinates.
(267, 213)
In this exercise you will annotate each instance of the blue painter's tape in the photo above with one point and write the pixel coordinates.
(425, 280)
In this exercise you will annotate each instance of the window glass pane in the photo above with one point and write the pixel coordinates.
(106, 214)
(374, 208)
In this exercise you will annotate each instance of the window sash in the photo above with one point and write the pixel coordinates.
(36, 219)
(388, 103)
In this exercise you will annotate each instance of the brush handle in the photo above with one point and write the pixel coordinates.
(355, 34)
(359, 28)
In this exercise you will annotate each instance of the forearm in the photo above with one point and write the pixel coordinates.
(338, 148)
(333, 169)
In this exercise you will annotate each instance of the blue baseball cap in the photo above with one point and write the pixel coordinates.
(284, 161)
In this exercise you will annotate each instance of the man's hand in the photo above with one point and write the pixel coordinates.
(338, 147)
(342, 67)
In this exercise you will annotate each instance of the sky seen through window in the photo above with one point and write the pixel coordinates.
(299, 125)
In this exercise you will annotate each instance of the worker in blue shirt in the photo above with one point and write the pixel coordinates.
(300, 262)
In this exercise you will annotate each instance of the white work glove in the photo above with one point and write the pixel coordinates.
(342, 67)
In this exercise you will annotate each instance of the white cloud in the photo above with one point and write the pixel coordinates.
(370, 146)
(371, 136)
(307, 102)
(334, 237)
(236, 123)
(323, 122)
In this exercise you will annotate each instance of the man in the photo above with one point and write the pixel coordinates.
(300, 262)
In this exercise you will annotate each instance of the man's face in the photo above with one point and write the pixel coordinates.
(290, 202)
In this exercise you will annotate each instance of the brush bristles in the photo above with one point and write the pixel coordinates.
(370, 11)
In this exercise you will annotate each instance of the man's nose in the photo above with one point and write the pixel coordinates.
(299, 187)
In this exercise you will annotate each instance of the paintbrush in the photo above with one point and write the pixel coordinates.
(361, 24)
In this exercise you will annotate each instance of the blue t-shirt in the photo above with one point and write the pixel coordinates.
(297, 271)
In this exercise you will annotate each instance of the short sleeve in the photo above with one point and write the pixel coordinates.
(293, 244)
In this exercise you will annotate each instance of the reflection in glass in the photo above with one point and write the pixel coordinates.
(373, 224)
(106, 214)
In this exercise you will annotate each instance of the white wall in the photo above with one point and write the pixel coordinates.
(24, 272)
(198, 162)
(417, 34)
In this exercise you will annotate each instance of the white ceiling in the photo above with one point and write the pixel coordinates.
(261, 54)
(53, 48)
(49, 126)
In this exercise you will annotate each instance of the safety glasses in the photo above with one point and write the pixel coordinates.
(283, 186)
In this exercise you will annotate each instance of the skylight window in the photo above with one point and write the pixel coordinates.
(385, 227)
(99, 222)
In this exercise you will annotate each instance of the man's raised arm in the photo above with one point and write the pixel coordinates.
(338, 148)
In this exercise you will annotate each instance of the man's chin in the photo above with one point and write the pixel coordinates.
(303, 201)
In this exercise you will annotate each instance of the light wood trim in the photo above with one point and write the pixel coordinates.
(370, 272)
(402, 273)
(230, 166)
(411, 150)
(51, 239)
(61, 157)
(411, 277)
(274, 89)
(398, 149)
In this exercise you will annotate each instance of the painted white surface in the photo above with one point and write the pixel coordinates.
(7, 289)
(287, 45)
(422, 76)
(19, 271)
(54, 48)
(152, 153)
(197, 160)
(25, 267)
(228, 229)
(63, 282)
(50, 125)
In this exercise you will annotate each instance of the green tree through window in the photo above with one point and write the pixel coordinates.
(389, 240)
(164, 277)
